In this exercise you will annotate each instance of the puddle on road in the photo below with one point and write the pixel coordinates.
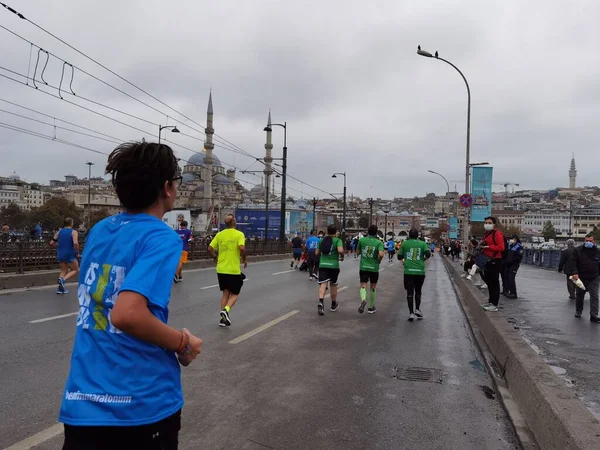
(478, 365)
(558, 370)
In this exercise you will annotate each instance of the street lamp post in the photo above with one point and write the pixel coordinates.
(386, 211)
(89, 164)
(371, 201)
(283, 178)
(344, 203)
(174, 129)
(314, 203)
(447, 186)
(468, 149)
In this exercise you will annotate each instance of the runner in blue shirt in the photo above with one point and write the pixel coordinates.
(312, 244)
(186, 237)
(390, 245)
(124, 385)
(67, 243)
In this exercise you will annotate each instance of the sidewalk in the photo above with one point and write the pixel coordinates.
(544, 316)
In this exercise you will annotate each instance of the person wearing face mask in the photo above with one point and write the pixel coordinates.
(492, 246)
(511, 265)
(585, 266)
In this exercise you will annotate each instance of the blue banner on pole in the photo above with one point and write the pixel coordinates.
(481, 189)
(453, 232)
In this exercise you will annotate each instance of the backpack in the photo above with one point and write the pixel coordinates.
(505, 252)
(326, 245)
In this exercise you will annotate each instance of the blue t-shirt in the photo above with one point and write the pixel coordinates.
(117, 379)
(185, 234)
(312, 243)
(66, 249)
(390, 245)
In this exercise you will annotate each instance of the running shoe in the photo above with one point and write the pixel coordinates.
(175, 279)
(225, 317)
(334, 305)
(419, 314)
(321, 309)
(292, 265)
(361, 308)
(222, 322)
(180, 279)
(372, 310)
(61, 285)
(469, 277)
(411, 317)
(491, 308)
(485, 305)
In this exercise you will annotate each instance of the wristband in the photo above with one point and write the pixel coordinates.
(183, 345)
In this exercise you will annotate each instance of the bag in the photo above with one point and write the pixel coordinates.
(326, 245)
(482, 260)
(505, 252)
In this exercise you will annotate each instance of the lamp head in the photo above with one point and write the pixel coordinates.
(268, 129)
(423, 52)
(334, 176)
(175, 130)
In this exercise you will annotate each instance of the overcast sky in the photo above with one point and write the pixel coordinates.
(344, 74)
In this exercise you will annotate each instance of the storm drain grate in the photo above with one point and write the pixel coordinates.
(418, 374)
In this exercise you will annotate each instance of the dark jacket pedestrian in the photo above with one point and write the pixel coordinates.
(511, 265)
(584, 265)
(565, 256)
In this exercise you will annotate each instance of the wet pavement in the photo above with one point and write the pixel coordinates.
(544, 315)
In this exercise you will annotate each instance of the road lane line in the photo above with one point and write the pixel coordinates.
(38, 438)
(47, 319)
(381, 270)
(264, 327)
(285, 271)
(209, 287)
(343, 288)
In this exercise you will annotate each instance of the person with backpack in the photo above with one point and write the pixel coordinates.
(489, 259)
(514, 255)
(330, 252)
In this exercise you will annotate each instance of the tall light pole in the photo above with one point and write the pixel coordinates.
(174, 129)
(89, 164)
(447, 186)
(386, 211)
(314, 203)
(283, 177)
(371, 201)
(344, 203)
(468, 150)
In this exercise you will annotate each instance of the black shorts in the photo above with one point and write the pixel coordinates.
(297, 252)
(329, 275)
(231, 283)
(391, 252)
(366, 277)
(161, 435)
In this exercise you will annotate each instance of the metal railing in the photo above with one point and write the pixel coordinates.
(548, 259)
(20, 257)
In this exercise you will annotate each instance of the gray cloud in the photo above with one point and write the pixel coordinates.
(343, 74)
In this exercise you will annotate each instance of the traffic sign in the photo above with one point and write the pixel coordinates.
(466, 200)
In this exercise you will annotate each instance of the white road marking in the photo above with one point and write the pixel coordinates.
(38, 438)
(343, 288)
(264, 327)
(381, 270)
(285, 271)
(209, 287)
(47, 319)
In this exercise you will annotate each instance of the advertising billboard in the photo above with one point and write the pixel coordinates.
(252, 222)
(453, 232)
(481, 188)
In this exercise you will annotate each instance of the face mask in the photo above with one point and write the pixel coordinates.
(488, 227)
(512, 241)
(589, 244)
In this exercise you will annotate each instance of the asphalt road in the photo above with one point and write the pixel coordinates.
(306, 382)
(545, 317)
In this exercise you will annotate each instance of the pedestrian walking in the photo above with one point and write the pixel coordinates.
(565, 256)
(297, 244)
(371, 253)
(312, 244)
(66, 241)
(489, 259)
(585, 266)
(186, 237)
(511, 265)
(228, 249)
(124, 385)
(330, 252)
(414, 252)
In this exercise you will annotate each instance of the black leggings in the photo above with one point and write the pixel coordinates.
(312, 262)
(491, 276)
(413, 285)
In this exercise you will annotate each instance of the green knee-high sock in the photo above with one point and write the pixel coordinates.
(363, 294)
(372, 299)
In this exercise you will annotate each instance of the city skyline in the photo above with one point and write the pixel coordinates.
(354, 90)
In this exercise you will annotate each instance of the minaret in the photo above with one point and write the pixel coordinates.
(208, 159)
(268, 152)
(572, 174)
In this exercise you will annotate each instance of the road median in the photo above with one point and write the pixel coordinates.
(555, 416)
(49, 277)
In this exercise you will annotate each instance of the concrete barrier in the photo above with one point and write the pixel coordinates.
(48, 277)
(555, 416)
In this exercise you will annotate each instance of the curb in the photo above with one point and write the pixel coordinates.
(556, 417)
(48, 277)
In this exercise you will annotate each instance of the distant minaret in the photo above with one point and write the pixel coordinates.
(268, 155)
(572, 174)
(208, 159)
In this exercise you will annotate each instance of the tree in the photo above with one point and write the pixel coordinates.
(98, 215)
(364, 221)
(53, 213)
(12, 215)
(549, 232)
(477, 230)
(596, 232)
(436, 234)
(350, 223)
(509, 230)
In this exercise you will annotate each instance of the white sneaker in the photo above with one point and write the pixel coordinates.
(419, 314)
(485, 305)
(463, 275)
(469, 277)
(484, 286)
(411, 317)
(491, 308)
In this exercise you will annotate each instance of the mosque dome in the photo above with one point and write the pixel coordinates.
(14, 177)
(197, 159)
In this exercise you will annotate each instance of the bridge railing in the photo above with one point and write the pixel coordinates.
(548, 259)
(26, 256)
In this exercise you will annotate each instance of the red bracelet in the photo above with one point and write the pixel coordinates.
(185, 341)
